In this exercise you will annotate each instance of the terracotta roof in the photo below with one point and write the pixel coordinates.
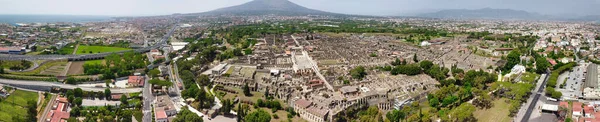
(62, 100)
(588, 109)
(577, 106)
(136, 80)
(59, 114)
(115, 96)
(303, 103)
(564, 104)
(161, 115)
(318, 112)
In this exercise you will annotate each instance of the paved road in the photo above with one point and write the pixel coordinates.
(539, 92)
(314, 66)
(20, 83)
(148, 98)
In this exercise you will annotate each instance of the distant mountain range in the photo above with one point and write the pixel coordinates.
(485, 13)
(262, 7)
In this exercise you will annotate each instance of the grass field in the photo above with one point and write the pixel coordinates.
(498, 113)
(328, 62)
(529, 77)
(82, 49)
(67, 49)
(94, 62)
(16, 105)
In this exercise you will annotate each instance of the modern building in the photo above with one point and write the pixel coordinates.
(164, 108)
(12, 50)
(59, 112)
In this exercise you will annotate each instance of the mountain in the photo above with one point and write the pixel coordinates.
(485, 13)
(261, 7)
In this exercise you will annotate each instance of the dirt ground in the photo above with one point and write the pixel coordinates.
(76, 68)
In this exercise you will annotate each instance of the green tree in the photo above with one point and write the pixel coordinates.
(161, 82)
(78, 92)
(126, 116)
(425, 64)
(358, 72)
(415, 58)
(463, 113)
(78, 101)
(124, 100)
(394, 115)
(154, 73)
(258, 116)
(107, 93)
(541, 64)
(203, 80)
(513, 58)
(32, 111)
(247, 90)
(75, 111)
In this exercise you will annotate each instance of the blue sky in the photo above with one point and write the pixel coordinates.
(364, 7)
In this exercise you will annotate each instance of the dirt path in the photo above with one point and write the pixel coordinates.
(47, 109)
(75, 50)
(75, 68)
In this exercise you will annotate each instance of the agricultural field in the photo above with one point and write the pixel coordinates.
(82, 49)
(55, 70)
(76, 68)
(16, 105)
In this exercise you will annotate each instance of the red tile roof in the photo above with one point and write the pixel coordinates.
(61, 113)
(138, 80)
(577, 106)
(303, 103)
(588, 109)
(161, 114)
(564, 104)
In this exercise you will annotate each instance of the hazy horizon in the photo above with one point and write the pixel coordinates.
(366, 7)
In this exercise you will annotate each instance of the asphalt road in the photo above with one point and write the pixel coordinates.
(64, 86)
(148, 98)
(539, 92)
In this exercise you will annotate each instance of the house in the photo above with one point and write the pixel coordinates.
(577, 109)
(115, 96)
(154, 52)
(164, 70)
(135, 81)
(552, 61)
(161, 116)
(59, 112)
(164, 104)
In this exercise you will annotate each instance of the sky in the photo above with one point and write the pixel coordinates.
(360, 7)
